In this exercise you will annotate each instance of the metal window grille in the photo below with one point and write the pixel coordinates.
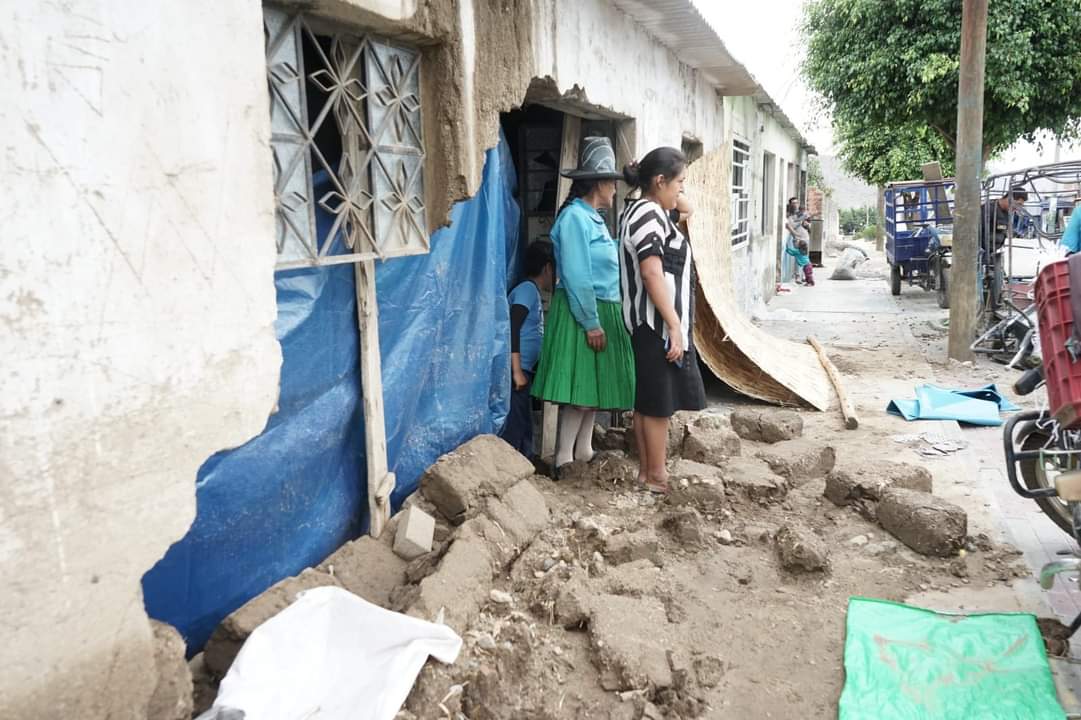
(364, 93)
(741, 192)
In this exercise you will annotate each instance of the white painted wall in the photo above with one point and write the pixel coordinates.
(136, 288)
(136, 313)
(596, 46)
(756, 259)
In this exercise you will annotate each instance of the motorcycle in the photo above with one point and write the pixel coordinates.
(1043, 447)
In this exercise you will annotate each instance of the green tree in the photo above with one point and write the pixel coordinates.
(815, 178)
(887, 72)
(855, 220)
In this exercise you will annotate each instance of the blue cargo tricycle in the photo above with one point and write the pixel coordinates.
(919, 235)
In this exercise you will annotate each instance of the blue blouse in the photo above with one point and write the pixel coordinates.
(587, 261)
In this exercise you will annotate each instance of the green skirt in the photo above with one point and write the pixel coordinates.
(570, 372)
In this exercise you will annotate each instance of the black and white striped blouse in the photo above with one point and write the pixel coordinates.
(646, 230)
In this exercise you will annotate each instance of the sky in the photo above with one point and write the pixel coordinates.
(763, 36)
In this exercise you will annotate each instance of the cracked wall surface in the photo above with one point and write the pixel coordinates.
(136, 311)
(480, 57)
(136, 276)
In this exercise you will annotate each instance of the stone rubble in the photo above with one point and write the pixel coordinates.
(767, 425)
(497, 566)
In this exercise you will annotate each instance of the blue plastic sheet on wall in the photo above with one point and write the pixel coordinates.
(292, 495)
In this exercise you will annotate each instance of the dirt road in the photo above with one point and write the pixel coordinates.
(730, 603)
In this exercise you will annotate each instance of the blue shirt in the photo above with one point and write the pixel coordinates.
(527, 295)
(587, 261)
(1071, 236)
(801, 259)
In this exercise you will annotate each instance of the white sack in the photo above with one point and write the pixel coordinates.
(330, 656)
(845, 269)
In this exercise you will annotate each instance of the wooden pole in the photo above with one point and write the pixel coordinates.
(966, 217)
(848, 410)
(380, 481)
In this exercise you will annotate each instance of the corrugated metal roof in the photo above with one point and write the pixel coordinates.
(679, 26)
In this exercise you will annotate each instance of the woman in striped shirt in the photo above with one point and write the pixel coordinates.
(656, 271)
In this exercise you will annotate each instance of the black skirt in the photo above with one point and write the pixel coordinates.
(663, 388)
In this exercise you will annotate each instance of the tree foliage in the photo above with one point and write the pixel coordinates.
(887, 71)
(815, 178)
(854, 220)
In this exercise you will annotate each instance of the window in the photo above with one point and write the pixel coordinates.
(741, 196)
(768, 185)
(347, 143)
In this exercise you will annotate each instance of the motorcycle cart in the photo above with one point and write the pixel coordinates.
(919, 219)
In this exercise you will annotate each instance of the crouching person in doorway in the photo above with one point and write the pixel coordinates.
(586, 361)
(658, 288)
(526, 336)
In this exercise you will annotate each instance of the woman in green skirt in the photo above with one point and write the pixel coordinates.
(586, 362)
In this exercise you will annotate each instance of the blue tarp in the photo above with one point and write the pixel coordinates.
(978, 406)
(294, 494)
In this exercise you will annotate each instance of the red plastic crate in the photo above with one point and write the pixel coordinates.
(1062, 374)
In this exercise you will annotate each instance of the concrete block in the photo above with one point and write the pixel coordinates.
(627, 547)
(638, 577)
(850, 483)
(710, 440)
(629, 639)
(173, 694)
(528, 503)
(925, 523)
(227, 638)
(696, 484)
(753, 479)
(575, 601)
(685, 525)
(767, 425)
(368, 568)
(801, 550)
(485, 466)
(460, 586)
(799, 460)
(413, 538)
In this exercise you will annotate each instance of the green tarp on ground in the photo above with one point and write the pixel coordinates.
(907, 663)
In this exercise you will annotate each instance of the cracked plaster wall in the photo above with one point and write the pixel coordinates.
(136, 312)
(136, 289)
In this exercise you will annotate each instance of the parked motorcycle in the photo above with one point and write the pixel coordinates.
(1043, 447)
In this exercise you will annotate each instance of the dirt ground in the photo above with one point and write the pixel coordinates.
(758, 641)
(631, 606)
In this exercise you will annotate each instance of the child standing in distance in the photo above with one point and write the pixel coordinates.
(803, 262)
(526, 337)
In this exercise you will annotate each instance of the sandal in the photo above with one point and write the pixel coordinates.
(658, 488)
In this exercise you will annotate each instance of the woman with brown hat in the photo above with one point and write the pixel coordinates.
(586, 362)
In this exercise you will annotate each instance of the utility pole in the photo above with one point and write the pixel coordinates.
(966, 217)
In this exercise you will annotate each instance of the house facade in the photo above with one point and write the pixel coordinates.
(190, 189)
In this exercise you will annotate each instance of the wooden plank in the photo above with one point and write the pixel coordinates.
(380, 481)
(549, 428)
(848, 411)
(568, 153)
